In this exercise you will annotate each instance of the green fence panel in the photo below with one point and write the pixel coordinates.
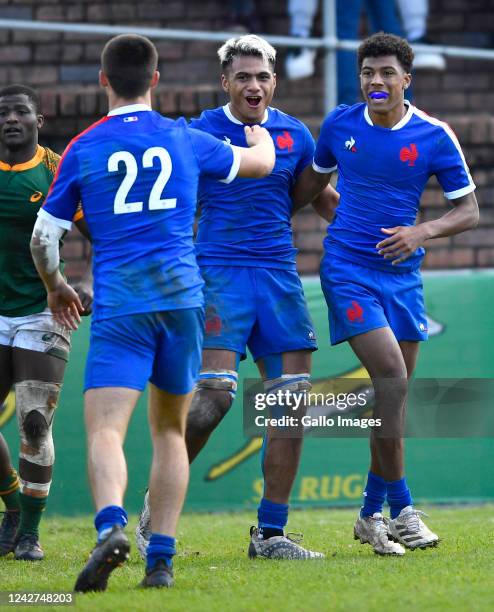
(227, 476)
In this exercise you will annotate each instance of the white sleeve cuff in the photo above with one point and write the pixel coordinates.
(459, 193)
(322, 170)
(63, 223)
(235, 166)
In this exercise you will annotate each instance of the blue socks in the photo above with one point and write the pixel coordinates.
(160, 547)
(107, 517)
(374, 495)
(399, 496)
(378, 489)
(272, 518)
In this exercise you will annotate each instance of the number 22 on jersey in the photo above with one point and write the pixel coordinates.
(120, 205)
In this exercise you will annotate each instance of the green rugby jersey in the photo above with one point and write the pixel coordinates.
(23, 189)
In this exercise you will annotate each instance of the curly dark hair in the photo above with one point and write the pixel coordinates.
(381, 44)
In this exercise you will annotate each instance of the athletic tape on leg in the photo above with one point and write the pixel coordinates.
(222, 380)
(36, 402)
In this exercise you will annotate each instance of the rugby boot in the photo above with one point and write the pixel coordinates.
(373, 530)
(160, 576)
(279, 547)
(409, 529)
(105, 557)
(143, 529)
(28, 548)
(8, 530)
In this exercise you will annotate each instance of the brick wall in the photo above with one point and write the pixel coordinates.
(64, 68)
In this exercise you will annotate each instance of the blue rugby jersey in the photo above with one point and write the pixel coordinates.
(136, 174)
(248, 221)
(382, 173)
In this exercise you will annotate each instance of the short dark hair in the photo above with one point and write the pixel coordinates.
(18, 90)
(381, 44)
(129, 61)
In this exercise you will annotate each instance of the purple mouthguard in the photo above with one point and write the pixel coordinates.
(378, 95)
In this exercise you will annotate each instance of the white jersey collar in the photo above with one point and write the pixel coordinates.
(129, 108)
(228, 113)
(402, 122)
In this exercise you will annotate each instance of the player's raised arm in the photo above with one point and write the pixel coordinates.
(258, 160)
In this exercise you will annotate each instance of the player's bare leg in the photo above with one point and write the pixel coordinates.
(380, 353)
(407, 527)
(212, 399)
(9, 482)
(6, 381)
(107, 412)
(280, 460)
(210, 402)
(170, 467)
(37, 381)
(169, 475)
(282, 454)
(389, 364)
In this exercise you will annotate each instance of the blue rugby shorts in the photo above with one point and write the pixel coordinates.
(360, 299)
(263, 309)
(162, 347)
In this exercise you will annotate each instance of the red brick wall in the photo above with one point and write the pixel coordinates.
(64, 67)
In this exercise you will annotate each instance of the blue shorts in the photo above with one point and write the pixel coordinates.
(262, 309)
(162, 347)
(360, 298)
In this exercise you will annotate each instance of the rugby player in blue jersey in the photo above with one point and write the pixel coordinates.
(136, 174)
(254, 297)
(385, 150)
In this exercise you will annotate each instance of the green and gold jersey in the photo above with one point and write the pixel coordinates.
(23, 189)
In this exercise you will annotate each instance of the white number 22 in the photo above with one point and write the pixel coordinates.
(121, 205)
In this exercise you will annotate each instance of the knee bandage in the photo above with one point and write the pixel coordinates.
(295, 383)
(36, 402)
(222, 380)
(289, 388)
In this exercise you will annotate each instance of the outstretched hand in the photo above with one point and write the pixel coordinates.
(403, 241)
(65, 306)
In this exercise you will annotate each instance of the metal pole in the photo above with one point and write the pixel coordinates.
(330, 65)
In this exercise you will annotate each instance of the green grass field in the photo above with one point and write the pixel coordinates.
(213, 572)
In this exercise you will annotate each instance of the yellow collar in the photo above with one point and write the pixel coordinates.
(32, 163)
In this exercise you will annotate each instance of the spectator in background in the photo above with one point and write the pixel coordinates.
(382, 15)
(414, 15)
(300, 60)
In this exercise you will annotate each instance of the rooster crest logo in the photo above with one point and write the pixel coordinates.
(285, 141)
(355, 313)
(409, 154)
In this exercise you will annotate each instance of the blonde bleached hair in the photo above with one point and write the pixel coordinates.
(250, 44)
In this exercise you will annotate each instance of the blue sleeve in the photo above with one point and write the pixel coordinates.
(63, 198)
(307, 153)
(450, 167)
(216, 159)
(324, 160)
(196, 123)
